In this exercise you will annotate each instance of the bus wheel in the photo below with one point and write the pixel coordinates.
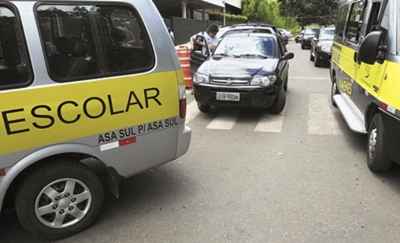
(59, 200)
(378, 160)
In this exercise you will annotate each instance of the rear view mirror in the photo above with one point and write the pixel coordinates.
(287, 56)
(371, 47)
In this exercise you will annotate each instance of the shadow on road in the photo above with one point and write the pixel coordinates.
(155, 188)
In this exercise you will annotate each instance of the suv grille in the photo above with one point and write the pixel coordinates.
(231, 81)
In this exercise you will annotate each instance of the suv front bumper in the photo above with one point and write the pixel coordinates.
(255, 97)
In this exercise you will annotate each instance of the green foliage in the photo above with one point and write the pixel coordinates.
(310, 11)
(268, 11)
(230, 18)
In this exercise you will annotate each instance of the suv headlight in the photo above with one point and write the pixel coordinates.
(263, 81)
(201, 78)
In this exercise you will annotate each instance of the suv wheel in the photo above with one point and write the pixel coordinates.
(59, 200)
(204, 108)
(280, 102)
(317, 61)
(377, 155)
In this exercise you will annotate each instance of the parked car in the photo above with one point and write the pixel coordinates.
(246, 70)
(309, 34)
(199, 57)
(77, 117)
(321, 47)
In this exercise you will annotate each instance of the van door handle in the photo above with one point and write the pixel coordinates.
(376, 88)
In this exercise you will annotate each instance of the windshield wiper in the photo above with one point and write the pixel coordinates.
(252, 55)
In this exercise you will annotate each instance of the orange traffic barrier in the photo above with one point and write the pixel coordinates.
(184, 58)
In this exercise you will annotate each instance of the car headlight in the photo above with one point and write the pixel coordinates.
(201, 78)
(263, 81)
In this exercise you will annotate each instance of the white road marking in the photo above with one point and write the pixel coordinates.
(192, 111)
(321, 119)
(223, 122)
(271, 123)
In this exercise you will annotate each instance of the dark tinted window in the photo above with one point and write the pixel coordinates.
(14, 65)
(355, 22)
(87, 41)
(341, 20)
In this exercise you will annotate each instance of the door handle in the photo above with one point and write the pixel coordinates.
(376, 88)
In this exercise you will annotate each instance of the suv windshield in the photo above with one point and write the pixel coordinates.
(248, 46)
(327, 34)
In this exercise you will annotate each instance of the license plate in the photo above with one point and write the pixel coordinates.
(224, 96)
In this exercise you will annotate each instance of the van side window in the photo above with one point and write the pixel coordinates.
(355, 22)
(90, 41)
(373, 16)
(15, 70)
(341, 20)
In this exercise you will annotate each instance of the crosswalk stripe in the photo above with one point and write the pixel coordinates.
(321, 120)
(223, 122)
(270, 123)
(192, 111)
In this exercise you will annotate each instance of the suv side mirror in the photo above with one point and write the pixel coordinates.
(371, 47)
(287, 56)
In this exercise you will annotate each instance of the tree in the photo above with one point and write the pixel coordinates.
(268, 11)
(310, 11)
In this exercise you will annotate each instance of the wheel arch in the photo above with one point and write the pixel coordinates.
(16, 174)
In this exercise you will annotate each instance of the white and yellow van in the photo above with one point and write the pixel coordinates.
(87, 88)
(365, 75)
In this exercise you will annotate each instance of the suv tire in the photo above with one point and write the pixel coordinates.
(280, 102)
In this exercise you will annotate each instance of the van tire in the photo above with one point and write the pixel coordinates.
(334, 91)
(280, 102)
(377, 158)
(32, 189)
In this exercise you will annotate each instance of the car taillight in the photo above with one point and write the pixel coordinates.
(182, 102)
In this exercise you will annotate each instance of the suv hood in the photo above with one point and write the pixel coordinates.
(243, 67)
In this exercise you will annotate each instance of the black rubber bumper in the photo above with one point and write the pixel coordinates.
(249, 97)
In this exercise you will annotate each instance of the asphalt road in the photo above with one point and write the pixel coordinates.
(254, 177)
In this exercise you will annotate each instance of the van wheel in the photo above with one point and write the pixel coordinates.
(378, 160)
(59, 200)
(280, 102)
(334, 91)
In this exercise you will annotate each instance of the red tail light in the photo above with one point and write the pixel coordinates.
(182, 108)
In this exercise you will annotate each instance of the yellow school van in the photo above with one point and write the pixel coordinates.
(365, 74)
(91, 92)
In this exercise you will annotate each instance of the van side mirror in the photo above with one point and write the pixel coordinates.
(371, 48)
(287, 56)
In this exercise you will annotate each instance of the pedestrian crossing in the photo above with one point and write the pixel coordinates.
(320, 120)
